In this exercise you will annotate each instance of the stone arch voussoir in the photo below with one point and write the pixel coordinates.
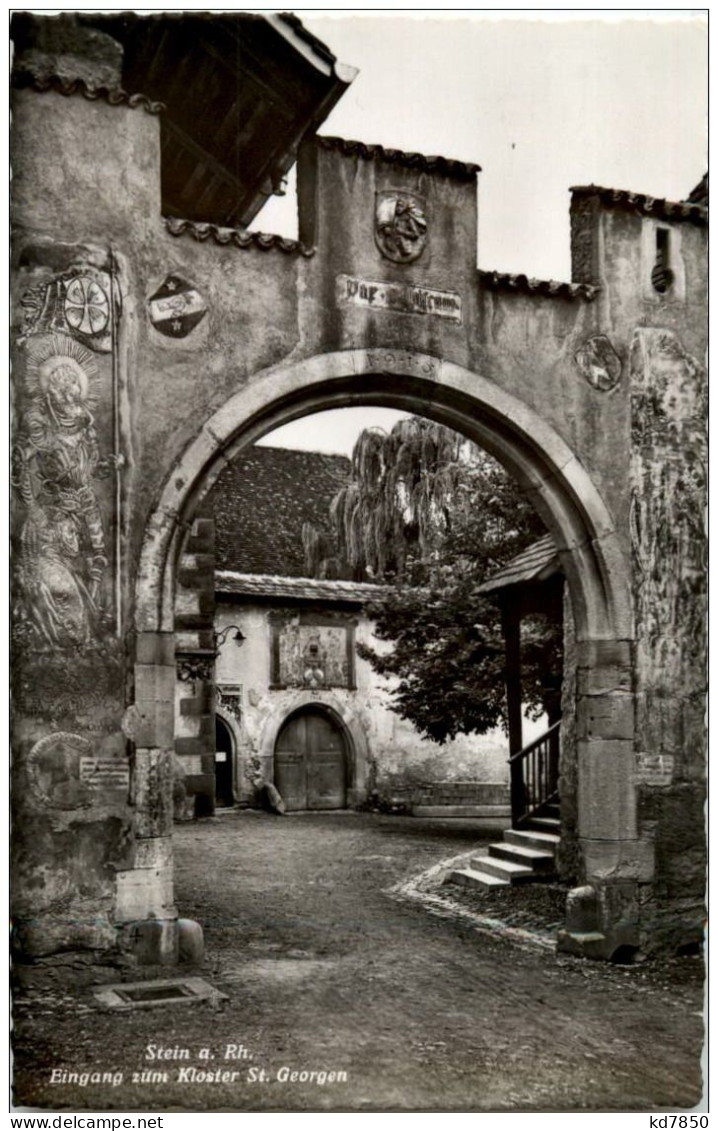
(529, 447)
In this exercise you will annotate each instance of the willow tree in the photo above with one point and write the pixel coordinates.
(432, 516)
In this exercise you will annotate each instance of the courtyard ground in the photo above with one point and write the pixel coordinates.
(335, 959)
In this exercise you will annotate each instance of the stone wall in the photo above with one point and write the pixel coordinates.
(194, 687)
(668, 517)
(568, 856)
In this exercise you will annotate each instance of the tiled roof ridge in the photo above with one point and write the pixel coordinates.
(238, 237)
(499, 280)
(645, 204)
(67, 87)
(319, 48)
(450, 167)
(699, 194)
(277, 585)
(241, 575)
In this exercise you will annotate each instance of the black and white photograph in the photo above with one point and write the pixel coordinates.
(358, 473)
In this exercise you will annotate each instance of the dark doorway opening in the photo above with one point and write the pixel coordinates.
(310, 762)
(224, 793)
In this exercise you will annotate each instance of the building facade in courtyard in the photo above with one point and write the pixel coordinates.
(154, 338)
(294, 679)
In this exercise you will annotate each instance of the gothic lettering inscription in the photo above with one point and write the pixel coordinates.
(397, 361)
(407, 298)
(230, 698)
(105, 773)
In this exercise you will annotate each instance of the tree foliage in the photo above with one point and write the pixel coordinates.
(433, 516)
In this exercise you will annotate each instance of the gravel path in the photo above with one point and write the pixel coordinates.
(334, 961)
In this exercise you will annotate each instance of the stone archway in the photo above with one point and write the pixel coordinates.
(562, 492)
(550, 472)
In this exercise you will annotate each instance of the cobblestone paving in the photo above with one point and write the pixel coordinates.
(334, 964)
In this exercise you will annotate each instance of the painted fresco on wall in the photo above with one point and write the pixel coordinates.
(81, 301)
(65, 471)
(63, 545)
(668, 537)
(312, 655)
(599, 363)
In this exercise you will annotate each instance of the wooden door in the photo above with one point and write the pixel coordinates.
(310, 763)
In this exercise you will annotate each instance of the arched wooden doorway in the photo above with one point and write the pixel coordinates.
(223, 759)
(310, 761)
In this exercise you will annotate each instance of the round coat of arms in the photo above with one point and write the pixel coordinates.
(599, 363)
(87, 307)
(54, 766)
(400, 226)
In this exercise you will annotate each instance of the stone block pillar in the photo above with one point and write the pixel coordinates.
(144, 908)
(603, 914)
(194, 691)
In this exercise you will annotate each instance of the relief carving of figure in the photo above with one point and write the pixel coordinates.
(313, 664)
(400, 226)
(62, 553)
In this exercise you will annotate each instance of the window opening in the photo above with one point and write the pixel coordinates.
(661, 275)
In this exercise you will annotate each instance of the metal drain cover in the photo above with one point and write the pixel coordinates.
(145, 995)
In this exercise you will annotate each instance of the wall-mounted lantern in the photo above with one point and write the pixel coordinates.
(220, 638)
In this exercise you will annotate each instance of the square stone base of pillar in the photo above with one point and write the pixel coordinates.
(601, 922)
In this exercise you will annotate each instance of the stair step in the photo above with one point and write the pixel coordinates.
(552, 811)
(529, 838)
(545, 824)
(470, 877)
(532, 857)
(504, 869)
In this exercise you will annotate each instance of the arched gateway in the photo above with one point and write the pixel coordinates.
(472, 404)
(148, 352)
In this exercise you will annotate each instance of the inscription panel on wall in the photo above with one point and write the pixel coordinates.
(407, 298)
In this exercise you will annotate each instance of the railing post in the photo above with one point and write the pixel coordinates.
(518, 792)
(553, 759)
(511, 627)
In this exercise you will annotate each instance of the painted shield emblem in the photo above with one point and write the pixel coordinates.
(81, 302)
(599, 363)
(400, 226)
(87, 307)
(176, 307)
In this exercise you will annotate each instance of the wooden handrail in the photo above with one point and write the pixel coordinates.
(536, 742)
(534, 775)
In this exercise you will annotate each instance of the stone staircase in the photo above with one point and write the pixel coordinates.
(525, 855)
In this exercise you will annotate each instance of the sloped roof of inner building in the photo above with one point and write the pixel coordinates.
(537, 562)
(261, 501)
